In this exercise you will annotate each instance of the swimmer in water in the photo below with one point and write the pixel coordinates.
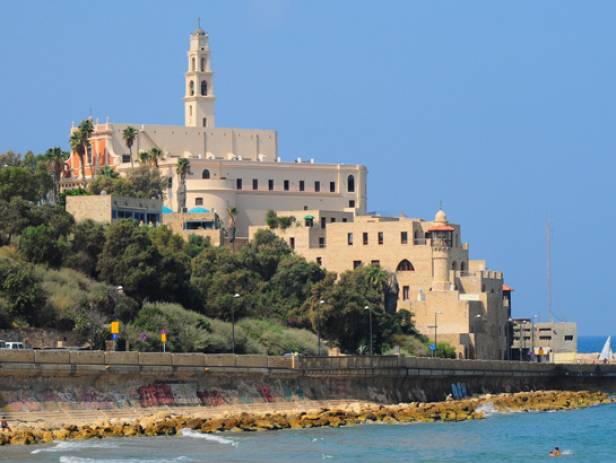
(555, 452)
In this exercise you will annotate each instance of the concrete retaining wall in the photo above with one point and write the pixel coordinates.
(66, 380)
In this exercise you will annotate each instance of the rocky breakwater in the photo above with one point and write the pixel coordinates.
(169, 424)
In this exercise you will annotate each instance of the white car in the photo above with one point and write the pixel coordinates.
(12, 345)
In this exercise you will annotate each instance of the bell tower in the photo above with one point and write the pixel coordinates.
(199, 98)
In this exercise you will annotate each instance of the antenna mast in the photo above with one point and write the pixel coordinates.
(548, 245)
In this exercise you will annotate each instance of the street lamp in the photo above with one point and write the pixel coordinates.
(478, 318)
(321, 302)
(370, 324)
(510, 337)
(235, 296)
(435, 326)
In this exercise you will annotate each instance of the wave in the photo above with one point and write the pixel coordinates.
(211, 437)
(71, 459)
(65, 446)
(487, 408)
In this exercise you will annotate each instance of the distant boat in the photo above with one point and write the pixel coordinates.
(606, 353)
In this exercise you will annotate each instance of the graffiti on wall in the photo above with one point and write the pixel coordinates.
(172, 393)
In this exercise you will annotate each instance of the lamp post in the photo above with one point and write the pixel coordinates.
(235, 296)
(510, 337)
(478, 318)
(321, 302)
(435, 326)
(370, 325)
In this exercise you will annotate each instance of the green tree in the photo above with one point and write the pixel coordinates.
(77, 142)
(195, 244)
(290, 287)
(18, 182)
(182, 169)
(145, 269)
(343, 316)
(86, 128)
(147, 182)
(129, 134)
(39, 245)
(111, 185)
(263, 253)
(108, 171)
(144, 158)
(155, 155)
(21, 296)
(56, 160)
(271, 219)
(86, 244)
(217, 275)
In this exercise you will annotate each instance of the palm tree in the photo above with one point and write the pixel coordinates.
(144, 157)
(86, 127)
(56, 159)
(77, 145)
(232, 212)
(129, 134)
(155, 155)
(107, 171)
(182, 169)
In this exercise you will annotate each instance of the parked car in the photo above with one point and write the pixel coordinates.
(12, 345)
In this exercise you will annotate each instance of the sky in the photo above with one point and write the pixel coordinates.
(502, 111)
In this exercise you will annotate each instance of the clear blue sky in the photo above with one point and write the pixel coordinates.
(505, 111)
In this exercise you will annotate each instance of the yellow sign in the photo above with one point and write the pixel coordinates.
(115, 327)
(163, 337)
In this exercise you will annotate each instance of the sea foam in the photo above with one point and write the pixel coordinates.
(72, 459)
(65, 446)
(211, 437)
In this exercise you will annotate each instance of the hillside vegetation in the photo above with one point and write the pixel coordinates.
(61, 274)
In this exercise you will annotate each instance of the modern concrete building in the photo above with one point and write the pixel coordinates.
(109, 208)
(544, 341)
(231, 169)
(459, 298)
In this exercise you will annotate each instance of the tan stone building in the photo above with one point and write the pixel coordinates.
(231, 169)
(458, 298)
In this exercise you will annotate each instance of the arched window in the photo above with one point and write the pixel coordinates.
(205, 174)
(203, 87)
(190, 110)
(192, 63)
(351, 183)
(205, 122)
(191, 87)
(202, 64)
(454, 265)
(462, 266)
(405, 266)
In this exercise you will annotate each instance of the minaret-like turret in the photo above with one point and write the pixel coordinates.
(199, 99)
(441, 235)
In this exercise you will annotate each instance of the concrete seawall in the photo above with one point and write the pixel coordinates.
(37, 380)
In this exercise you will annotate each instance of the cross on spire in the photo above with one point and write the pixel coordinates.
(198, 22)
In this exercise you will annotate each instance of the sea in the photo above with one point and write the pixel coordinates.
(587, 344)
(582, 435)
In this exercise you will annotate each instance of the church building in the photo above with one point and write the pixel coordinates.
(232, 170)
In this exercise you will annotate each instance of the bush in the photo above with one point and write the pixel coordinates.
(278, 340)
(188, 331)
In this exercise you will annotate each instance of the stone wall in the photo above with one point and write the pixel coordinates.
(33, 381)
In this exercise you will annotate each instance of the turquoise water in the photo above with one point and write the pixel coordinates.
(583, 435)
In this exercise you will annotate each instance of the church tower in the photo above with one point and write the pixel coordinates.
(199, 99)
(441, 234)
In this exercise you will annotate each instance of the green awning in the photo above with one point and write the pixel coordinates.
(309, 217)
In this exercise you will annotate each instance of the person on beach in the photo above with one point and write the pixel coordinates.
(555, 452)
(4, 424)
